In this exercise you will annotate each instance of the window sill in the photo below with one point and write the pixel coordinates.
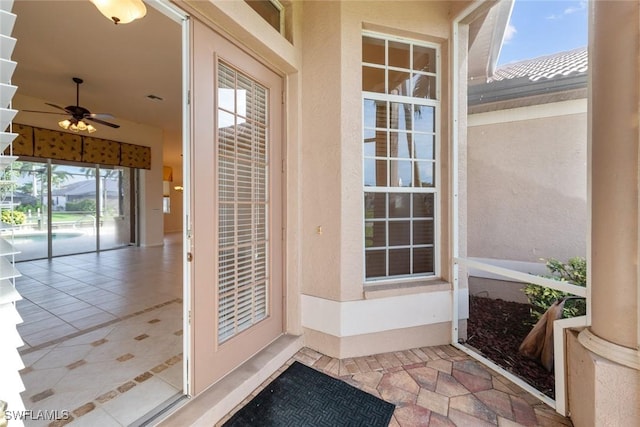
(392, 289)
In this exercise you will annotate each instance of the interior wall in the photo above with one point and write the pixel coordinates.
(173, 220)
(150, 206)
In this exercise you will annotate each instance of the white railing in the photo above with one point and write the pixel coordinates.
(560, 402)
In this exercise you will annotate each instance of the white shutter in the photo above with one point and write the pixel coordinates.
(243, 281)
(10, 361)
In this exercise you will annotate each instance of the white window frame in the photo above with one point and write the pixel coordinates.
(436, 189)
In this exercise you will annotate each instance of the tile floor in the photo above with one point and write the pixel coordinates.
(433, 386)
(103, 340)
(103, 334)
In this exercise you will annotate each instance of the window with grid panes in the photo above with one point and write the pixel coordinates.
(400, 87)
(243, 202)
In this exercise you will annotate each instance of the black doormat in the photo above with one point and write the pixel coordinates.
(302, 396)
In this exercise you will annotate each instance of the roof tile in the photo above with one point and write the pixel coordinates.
(545, 67)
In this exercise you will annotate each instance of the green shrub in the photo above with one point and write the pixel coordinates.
(29, 207)
(86, 205)
(541, 298)
(13, 217)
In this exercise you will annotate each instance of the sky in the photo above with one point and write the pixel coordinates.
(543, 27)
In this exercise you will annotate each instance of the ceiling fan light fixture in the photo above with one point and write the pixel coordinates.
(64, 124)
(82, 126)
(121, 11)
(91, 129)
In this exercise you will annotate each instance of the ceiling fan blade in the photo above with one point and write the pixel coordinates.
(102, 122)
(44, 112)
(58, 107)
(100, 116)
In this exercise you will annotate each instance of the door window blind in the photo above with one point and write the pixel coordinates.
(243, 202)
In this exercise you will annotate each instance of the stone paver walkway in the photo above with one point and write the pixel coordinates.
(433, 386)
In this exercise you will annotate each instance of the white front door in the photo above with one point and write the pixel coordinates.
(237, 281)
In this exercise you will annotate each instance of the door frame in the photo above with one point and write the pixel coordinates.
(211, 48)
(183, 19)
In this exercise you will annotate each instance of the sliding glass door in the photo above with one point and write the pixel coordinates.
(30, 205)
(87, 209)
(74, 222)
(115, 206)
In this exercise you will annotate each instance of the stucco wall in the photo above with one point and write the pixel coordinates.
(331, 206)
(527, 184)
(332, 231)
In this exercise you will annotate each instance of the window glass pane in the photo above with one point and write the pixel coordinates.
(268, 11)
(424, 146)
(226, 120)
(226, 270)
(242, 207)
(79, 202)
(244, 228)
(423, 205)
(399, 83)
(261, 269)
(260, 296)
(399, 233)
(424, 59)
(375, 144)
(375, 205)
(258, 109)
(399, 262)
(423, 260)
(400, 116)
(260, 222)
(375, 114)
(227, 99)
(376, 234)
(424, 118)
(400, 145)
(399, 55)
(423, 232)
(226, 78)
(399, 205)
(245, 97)
(244, 143)
(115, 219)
(369, 172)
(244, 181)
(424, 86)
(260, 152)
(425, 177)
(375, 172)
(226, 224)
(376, 263)
(373, 79)
(373, 50)
(400, 173)
(30, 196)
(381, 144)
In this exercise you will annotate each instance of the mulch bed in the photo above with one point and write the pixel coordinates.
(496, 328)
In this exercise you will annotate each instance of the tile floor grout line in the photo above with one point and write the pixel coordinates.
(96, 327)
(119, 391)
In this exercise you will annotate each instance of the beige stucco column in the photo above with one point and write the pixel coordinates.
(615, 97)
(604, 363)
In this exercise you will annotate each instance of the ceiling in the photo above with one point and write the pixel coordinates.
(120, 64)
